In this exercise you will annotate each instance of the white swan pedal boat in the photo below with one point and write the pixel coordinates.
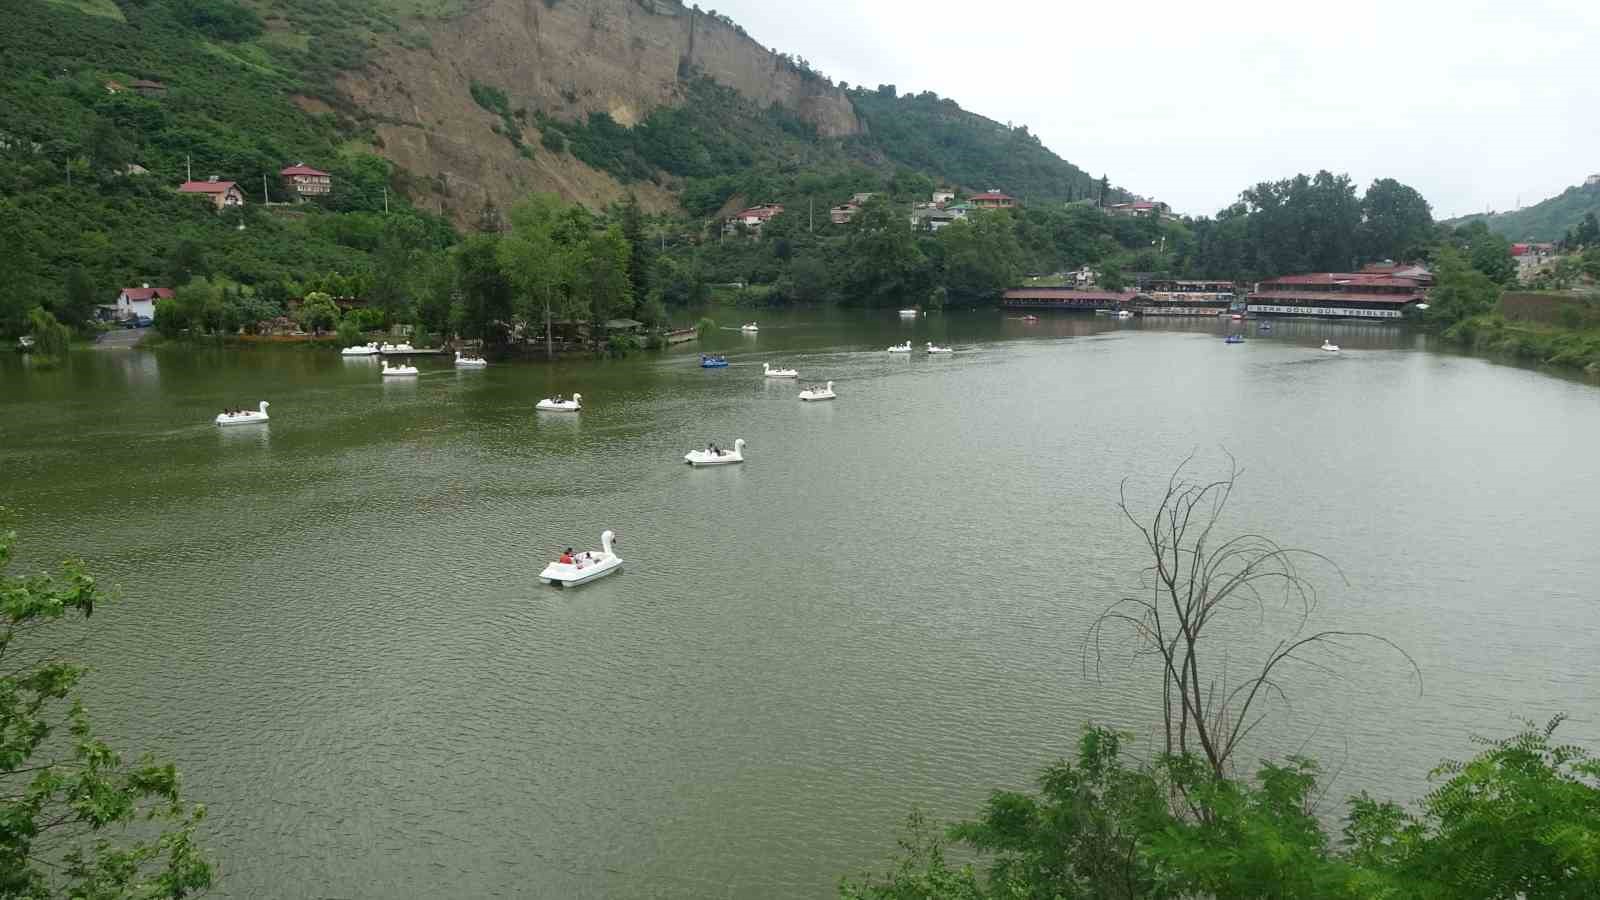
(470, 362)
(362, 350)
(244, 416)
(934, 348)
(706, 457)
(816, 393)
(908, 314)
(770, 372)
(551, 404)
(396, 348)
(585, 566)
(901, 348)
(389, 371)
(1329, 346)
(749, 328)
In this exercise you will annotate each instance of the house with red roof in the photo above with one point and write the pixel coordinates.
(137, 301)
(752, 218)
(992, 199)
(305, 181)
(221, 193)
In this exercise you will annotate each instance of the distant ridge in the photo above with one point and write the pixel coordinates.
(1547, 220)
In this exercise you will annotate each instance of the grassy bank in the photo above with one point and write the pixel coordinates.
(1551, 345)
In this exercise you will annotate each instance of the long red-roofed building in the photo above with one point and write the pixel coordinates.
(1360, 295)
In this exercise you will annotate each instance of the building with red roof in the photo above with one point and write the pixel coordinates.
(221, 193)
(1362, 295)
(138, 301)
(992, 199)
(305, 181)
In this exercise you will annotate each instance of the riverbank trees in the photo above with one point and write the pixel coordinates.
(68, 800)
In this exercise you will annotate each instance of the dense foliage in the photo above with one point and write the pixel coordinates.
(1520, 819)
(76, 820)
(927, 133)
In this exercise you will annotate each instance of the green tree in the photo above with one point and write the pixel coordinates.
(535, 258)
(1396, 221)
(640, 256)
(50, 338)
(318, 313)
(1460, 290)
(78, 304)
(1588, 233)
(397, 267)
(980, 256)
(1490, 254)
(486, 293)
(68, 801)
(883, 265)
(600, 289)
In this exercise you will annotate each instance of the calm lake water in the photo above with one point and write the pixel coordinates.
(332, 623)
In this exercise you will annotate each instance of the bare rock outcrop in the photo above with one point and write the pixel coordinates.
(567, 58)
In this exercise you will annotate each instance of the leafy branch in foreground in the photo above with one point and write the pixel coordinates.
(62, 789)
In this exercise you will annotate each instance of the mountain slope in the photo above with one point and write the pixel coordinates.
(1547, 220)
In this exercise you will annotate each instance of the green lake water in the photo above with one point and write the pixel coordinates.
(332, 622)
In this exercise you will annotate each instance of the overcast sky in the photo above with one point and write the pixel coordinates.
(1472, 103)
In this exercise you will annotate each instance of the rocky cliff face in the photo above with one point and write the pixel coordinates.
(567, 58)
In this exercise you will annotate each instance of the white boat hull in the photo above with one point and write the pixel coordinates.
(552, 406)
(564, 575)
(700, 458)
(407, 372)
(247, 417)
(812, 398)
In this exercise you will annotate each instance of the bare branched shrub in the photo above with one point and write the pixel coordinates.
(1198, 585)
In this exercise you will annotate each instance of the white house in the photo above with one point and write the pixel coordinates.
(139, 301)
(940, 198)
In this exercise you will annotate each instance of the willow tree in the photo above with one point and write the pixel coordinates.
(1199, 584)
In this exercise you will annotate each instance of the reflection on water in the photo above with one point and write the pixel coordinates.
(361, 676)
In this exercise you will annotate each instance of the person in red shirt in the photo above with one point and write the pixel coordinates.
(566, 558)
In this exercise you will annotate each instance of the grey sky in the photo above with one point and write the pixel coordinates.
(1472, 103)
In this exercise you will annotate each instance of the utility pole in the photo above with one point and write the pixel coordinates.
(386, 199)
(188, 168)
(811, 215)
(265, 200)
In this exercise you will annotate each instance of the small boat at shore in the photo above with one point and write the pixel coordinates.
(470, 362)
(578, 568)
(556, 404)
(816, 393)
(770, 372)
(749, 328)
(716, 456)
(244, 416)
(901, 348)
(396, 348)
(362, 350)
(389, 371)
(908, 314)
(934, 348)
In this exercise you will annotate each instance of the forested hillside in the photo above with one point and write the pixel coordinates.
(1549, 220)
(93, 155)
